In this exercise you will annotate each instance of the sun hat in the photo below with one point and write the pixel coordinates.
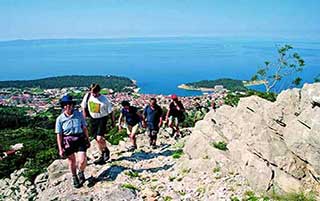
(67, 99)
(174, 96)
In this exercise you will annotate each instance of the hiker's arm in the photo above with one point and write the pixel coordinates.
(120, 121)
(113, 119)
(85, 131)
(167, 115)
(160, 122)
(143, 118)
(59, 142)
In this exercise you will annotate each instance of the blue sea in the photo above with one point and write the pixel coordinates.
(158, 64)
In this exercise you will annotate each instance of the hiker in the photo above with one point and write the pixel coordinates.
(152, 117)
(72, 137)
(133, 119)
(98, 109)
(175, 115)
(213, 105)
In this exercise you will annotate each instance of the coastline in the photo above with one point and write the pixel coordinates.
(246, 83)
(186, 87)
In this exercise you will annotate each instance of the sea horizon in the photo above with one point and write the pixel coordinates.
(159, 64)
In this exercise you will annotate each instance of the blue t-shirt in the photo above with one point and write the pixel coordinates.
(152, 116)
(70, 125)
(132, 118)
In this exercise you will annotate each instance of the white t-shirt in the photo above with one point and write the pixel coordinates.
(98, 106)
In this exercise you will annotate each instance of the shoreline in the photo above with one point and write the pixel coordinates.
(186, 87)
(246, 83)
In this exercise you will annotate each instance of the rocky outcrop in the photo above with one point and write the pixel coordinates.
(273, 145)
(269, 147)
(17, 187)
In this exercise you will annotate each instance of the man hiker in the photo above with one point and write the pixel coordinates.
(132, 118)
(175, 115)
(152, 117)
(98, 109)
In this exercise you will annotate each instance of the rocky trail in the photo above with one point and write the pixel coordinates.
(236, 153)
(146, 174)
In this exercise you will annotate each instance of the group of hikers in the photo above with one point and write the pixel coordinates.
(73, 135)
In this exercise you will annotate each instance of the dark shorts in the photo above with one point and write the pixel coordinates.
(152, 132)
(99, 126)
(77, 144)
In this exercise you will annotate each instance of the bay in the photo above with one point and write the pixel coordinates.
(158, 64)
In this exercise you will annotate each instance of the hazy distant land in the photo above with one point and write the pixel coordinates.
(230, 84)
(117, 83)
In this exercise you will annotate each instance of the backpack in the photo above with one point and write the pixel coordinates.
(86, 108)
(182, 117)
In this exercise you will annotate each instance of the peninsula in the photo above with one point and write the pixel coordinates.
(116, 83)
(227, 83)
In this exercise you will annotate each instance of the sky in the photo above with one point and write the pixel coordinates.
(39, 19)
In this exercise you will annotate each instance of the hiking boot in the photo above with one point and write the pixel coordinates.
(100, 160)
(75, 182)
(82, 179)
(106, 154)
(177, 137)
(154, 146)
(172, 133)
(132, 148)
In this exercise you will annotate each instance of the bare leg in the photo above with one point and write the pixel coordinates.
(72, 164)
(82, 156)
(101, 143)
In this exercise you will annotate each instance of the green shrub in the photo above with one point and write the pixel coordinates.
(114, 136)
(130, 186)
(300, 196)
(177, 153)
(132, 173)
(220, 145)
(39, 150)
(167, 198)
(233, 99)
(216, 169)
(250, 196)
(234, 199)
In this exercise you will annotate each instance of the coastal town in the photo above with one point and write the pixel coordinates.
(38, 100)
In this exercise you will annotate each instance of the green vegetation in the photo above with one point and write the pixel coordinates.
(37, 135)
(172, 178)
(167, 198)
(201, 190)
(300, 196)
(220, 145)
(114, 136)
(39, 150)
(230, 84)
(130, 186)
(132, 173)
(12, 117)
(286, 65)
(177, 153)
(216, 169)
(232, 99)
(234, 199)
(112, 82)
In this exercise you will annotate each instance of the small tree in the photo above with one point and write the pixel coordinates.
(286, 65)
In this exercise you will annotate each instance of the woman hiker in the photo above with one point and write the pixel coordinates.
(72, 137)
